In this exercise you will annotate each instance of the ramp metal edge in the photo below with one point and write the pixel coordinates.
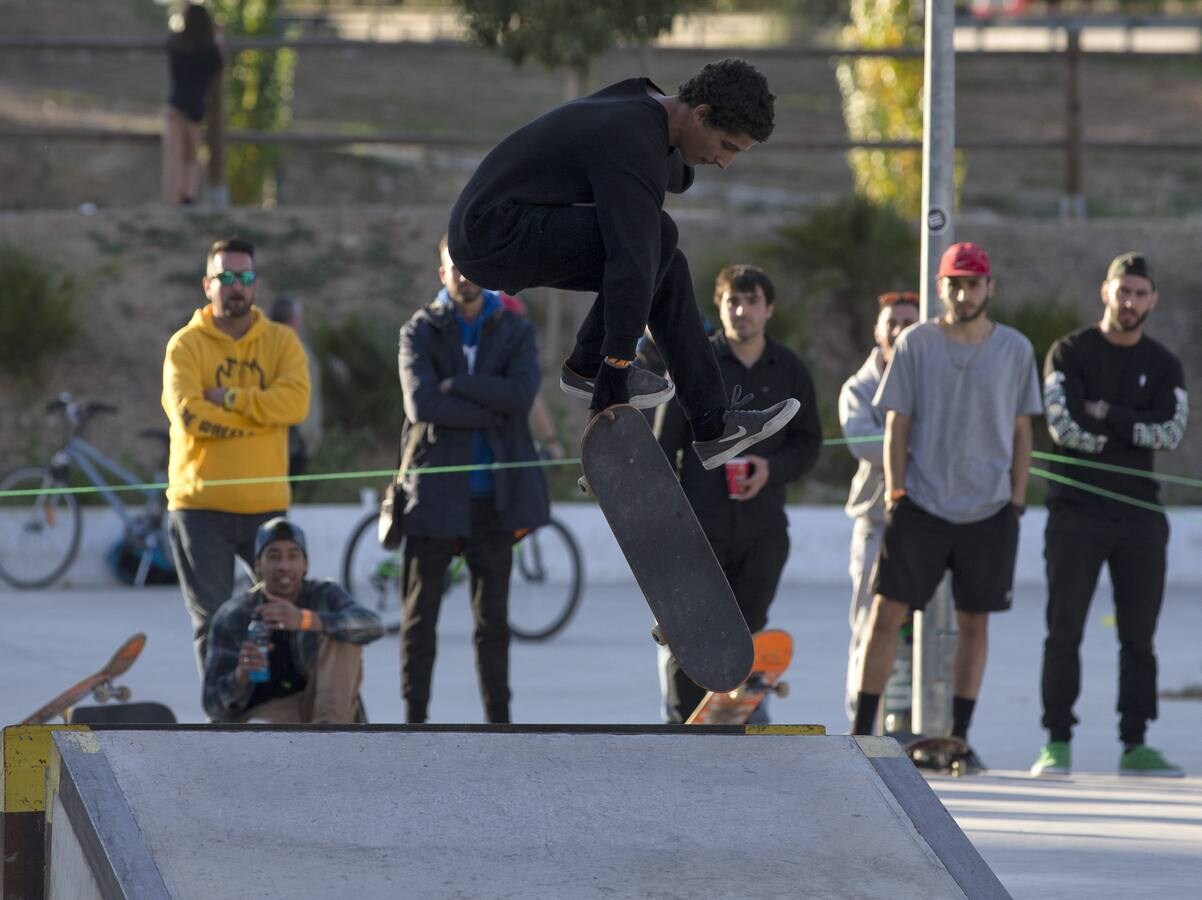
(103, 823)
(931, 820)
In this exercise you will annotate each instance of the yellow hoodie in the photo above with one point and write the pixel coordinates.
(269, 374)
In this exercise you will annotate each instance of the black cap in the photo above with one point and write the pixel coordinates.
(278, 529)
(1131, 263)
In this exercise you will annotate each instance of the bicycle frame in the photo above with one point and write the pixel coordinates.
(92, 461)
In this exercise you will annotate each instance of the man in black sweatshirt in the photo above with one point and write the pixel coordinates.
(574, 200)
(1113, 398)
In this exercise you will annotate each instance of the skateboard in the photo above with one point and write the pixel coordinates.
(695, 610)
(937, 753)
(773, 653)
(100, 685)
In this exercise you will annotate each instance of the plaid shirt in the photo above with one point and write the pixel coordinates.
(341, 618)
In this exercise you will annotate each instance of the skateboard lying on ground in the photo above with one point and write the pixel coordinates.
(100, 685)
(937, 753)
(773, 653)
(694, 608)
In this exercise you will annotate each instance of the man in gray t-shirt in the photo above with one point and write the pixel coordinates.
(958, 395)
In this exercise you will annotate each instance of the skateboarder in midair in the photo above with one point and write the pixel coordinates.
(574, 200)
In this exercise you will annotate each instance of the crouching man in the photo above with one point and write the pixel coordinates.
(314, 664)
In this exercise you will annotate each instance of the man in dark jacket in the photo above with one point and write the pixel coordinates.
(469, 373)
(744, 517)
(574, 200)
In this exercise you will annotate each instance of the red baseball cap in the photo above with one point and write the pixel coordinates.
(964, 259)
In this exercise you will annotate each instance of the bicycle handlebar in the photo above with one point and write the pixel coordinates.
(76, 415)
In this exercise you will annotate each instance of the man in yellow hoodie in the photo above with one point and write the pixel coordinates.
(233, 381)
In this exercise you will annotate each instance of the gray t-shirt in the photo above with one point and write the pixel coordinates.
(962, 400)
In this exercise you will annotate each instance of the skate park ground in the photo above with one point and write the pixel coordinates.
(1092, 834)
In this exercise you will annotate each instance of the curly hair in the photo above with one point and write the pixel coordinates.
(737, 95)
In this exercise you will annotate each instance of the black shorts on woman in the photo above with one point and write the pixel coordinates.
(919, 547)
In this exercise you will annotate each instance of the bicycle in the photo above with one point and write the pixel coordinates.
(545, 587)
(42, 532)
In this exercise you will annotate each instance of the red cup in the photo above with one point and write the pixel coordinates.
(737, 469)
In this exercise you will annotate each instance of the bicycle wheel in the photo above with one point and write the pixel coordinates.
(39, 533)
(371, 574)
(544, 589)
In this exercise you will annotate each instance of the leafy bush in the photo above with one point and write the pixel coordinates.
(37, 311)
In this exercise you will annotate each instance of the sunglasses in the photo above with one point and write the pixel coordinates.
(227, 277)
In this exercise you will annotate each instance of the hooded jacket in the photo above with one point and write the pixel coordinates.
(269, 374)
(494, 398)
(860, 419)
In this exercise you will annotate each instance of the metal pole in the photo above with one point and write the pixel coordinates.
(934, 631)
(1072, 205)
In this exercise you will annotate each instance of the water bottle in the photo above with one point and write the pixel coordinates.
(260, 634)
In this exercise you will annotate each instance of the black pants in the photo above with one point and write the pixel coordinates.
(561, 247)
(1077, 542)
(753, 568)
(489, 554)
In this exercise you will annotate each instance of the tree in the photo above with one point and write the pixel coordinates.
(258, 92)
(567, 34)
(882, 101)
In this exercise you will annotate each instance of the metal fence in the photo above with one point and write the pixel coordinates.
(1071, 141)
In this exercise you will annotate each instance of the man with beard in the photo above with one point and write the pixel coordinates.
(1114, 396)
(860, 420)
(469, 374)
(746, 526)
(958, 395)
(312, 671)
(233, 382)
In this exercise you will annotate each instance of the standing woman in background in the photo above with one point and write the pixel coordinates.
(193, 62)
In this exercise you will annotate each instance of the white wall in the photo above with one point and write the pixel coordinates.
(819, 535)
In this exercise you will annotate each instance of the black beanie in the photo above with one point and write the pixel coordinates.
(278, 529)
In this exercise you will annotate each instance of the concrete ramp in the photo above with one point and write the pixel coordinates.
(516, 812)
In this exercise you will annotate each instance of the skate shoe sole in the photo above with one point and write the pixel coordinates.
(771, 427)
(638, 401)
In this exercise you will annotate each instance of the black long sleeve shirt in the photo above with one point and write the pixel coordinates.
(1144, 386)
(610, 150)
(777, 375)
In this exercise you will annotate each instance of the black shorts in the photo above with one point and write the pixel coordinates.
(918, 548)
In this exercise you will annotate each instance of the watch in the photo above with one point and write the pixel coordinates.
(227, 402)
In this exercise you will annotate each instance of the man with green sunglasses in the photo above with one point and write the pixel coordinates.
(233, 381)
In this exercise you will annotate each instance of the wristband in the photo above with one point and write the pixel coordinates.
(308, 621)
(227, 402)
(896, 494)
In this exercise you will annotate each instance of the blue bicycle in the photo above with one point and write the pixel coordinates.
(40, 532)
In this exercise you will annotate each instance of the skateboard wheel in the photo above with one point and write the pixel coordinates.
(122, 694)
(782, 689)
(101, 694)
(657, 635)
(585, 487)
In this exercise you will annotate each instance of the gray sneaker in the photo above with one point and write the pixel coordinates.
(744, 428)
(646, 388)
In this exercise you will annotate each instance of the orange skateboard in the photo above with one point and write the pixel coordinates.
(773, 653)
(100, 685)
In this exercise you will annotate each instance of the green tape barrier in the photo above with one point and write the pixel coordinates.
(540, 463)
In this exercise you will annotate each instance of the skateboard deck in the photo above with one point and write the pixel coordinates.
(773, 653)
(100, 685)
(937, 753)
(658, 532)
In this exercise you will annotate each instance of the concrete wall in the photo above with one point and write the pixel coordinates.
(819, 535)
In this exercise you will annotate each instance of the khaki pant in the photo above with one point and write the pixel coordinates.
(331, 696)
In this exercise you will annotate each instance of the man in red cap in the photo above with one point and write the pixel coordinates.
(958, 396)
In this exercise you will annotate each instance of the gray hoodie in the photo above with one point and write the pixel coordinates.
(859, 419)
